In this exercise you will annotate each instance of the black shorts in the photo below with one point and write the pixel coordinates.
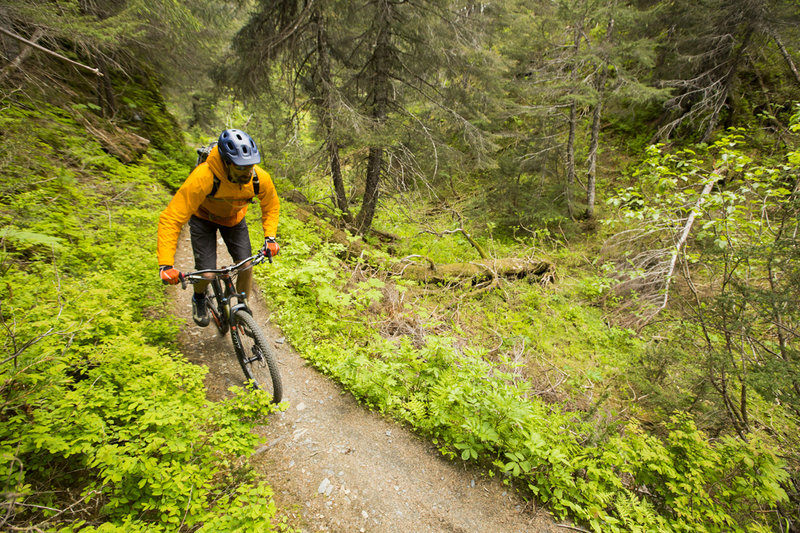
(204, 241)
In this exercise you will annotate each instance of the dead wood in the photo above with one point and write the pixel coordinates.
(513, 268)
(124, 145)
(476, 272)
(33, 44)
(22, 56)
(353, 247)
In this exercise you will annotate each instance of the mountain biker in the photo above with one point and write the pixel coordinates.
(214, 198)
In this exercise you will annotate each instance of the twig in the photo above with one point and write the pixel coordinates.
(38, 507)
(186, 511)
(425, 257)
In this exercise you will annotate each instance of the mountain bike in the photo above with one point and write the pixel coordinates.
(229, 311)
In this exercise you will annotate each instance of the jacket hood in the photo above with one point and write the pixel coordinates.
(216, 165)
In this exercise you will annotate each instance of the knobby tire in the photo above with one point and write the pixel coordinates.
(264, 371)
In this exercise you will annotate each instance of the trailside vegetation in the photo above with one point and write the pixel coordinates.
(646, 152)
(104, 426)
(419, 356)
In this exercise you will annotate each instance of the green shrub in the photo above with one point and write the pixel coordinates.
(104, 426)
(477, 410)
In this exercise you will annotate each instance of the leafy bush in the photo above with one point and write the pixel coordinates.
(104, 427)
(477, 410)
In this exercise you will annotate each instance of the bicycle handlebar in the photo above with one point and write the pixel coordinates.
(196, 276)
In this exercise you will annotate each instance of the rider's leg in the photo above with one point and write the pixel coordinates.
(200, 287)
(245, 281)
(237, 239)
(204, 246)
(204, 243)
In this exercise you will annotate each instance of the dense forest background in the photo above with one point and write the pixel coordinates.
(571, 251)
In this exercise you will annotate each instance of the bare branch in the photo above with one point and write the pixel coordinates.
(50, 52)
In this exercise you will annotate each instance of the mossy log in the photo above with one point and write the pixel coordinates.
(477, 271)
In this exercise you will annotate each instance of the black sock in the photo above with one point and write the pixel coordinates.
(199, 296)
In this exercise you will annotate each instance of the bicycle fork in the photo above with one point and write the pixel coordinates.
(230, 312)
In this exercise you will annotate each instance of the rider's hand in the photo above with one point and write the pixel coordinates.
(270, 246)
(169, 275)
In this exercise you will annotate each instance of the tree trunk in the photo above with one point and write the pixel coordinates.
(597, 115)
(784, 352)
(22, 56)
(571, 156)
(591, 178)
(105, 92)
(326, 89)
(573, 124)
(786, 56)
(684, 236)
(727, 85)
(370, 201)
(380, 105)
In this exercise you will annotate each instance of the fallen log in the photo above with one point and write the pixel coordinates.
(429, 272)
(478, 271)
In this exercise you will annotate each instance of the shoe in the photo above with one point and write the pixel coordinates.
(200, 312)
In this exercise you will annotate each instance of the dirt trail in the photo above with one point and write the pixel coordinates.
(336, 466)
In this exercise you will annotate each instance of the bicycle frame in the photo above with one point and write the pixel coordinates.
(223, 288)
(230, 311)
(224, 292)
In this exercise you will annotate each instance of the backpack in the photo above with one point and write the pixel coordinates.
(202, 155)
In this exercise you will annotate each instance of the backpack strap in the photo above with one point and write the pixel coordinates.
(214, 188)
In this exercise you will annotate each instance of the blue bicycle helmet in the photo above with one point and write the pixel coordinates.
(235, 146)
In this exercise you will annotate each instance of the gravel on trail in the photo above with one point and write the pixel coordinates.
(334, 465)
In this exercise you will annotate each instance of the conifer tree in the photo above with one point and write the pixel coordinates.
(363, 67)
(160, 37)
(296, 36)
(571, 65)
(713, 48)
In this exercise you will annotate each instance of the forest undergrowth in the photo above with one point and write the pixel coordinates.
(651, 381)
(533, 381)
(104, 426)
(530, 380)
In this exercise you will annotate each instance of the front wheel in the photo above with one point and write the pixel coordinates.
(255, 356)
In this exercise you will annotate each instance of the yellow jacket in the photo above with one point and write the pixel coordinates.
(227, 208)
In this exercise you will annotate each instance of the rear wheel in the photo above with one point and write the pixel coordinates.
(255, 355)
